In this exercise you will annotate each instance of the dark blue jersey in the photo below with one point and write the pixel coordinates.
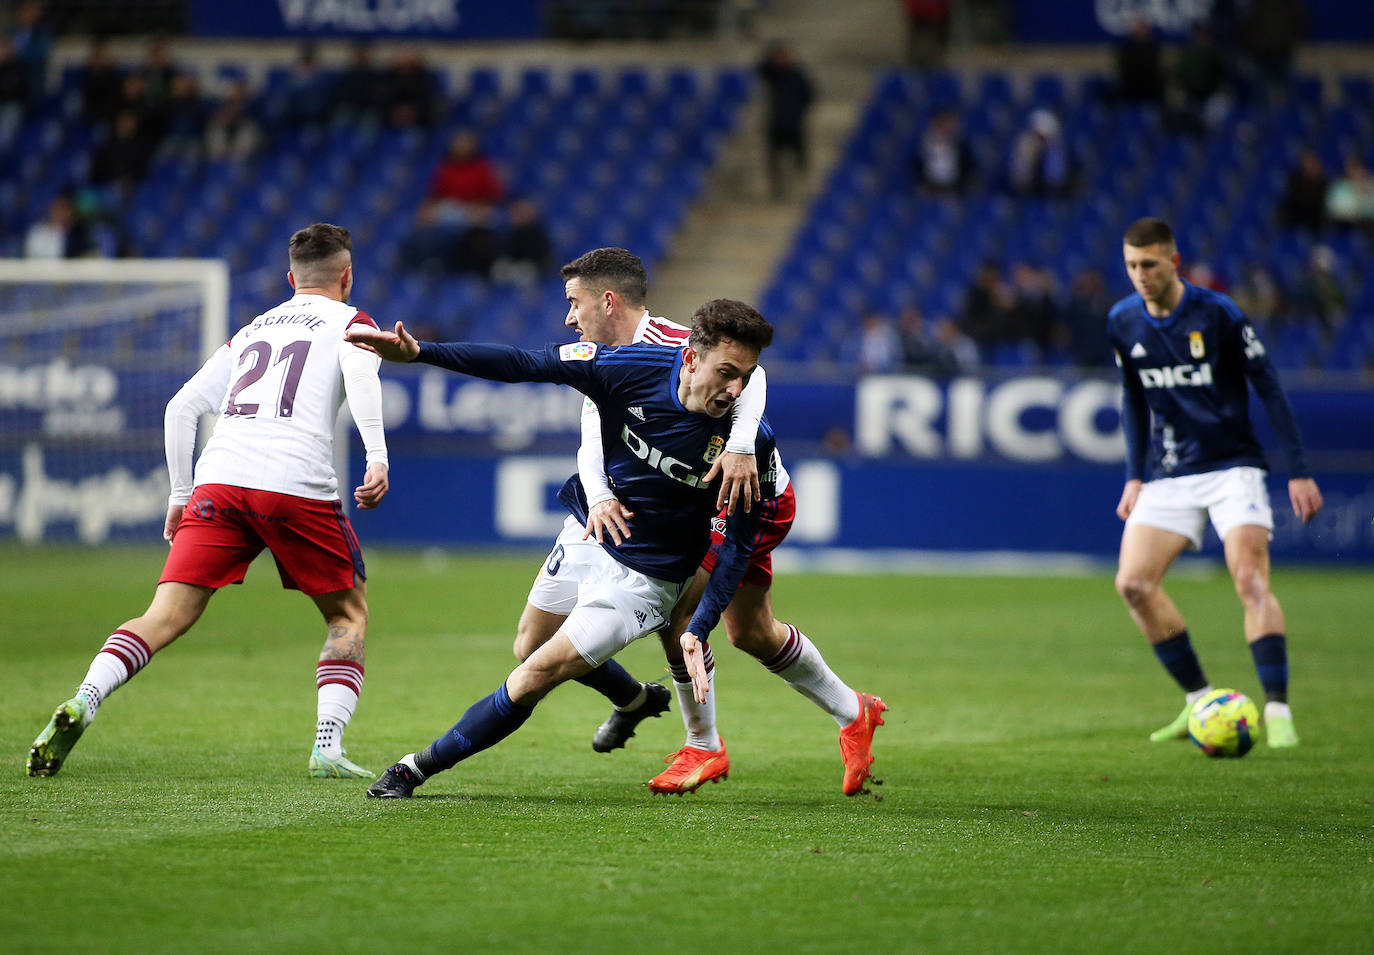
(1184, 378)
(657, 454)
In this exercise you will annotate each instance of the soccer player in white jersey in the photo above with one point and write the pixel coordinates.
(605, 290)
(265, 479)
(1188, 359)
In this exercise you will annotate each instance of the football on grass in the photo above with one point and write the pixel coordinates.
(1224, 723)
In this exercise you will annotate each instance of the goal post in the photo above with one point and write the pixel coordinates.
(90, 352)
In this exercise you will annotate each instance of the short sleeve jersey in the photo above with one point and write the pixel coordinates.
(276, 426)
(1191, 367)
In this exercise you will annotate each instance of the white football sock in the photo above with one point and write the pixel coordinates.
(699, 718)
(805, 670)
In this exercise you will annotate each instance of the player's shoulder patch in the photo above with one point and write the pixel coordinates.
(361, 318)
(577, 351)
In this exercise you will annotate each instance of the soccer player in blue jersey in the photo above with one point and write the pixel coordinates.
(1187, 355)
(664, 421)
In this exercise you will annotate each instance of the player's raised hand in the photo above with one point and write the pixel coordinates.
(374, 487)
(1129, 494)
(174, 513)
(1306, 498)
(694, 655)
(739, 480)
(399, 345)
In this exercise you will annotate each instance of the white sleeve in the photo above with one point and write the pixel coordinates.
(591, 458)
(200, 395)
(364, 390)
(748, 412)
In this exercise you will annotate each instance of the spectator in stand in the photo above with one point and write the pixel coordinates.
(59, 234)
(358, 91)
(1201, 77)
(184, 137)
(939, 350)
(1350, 200)
(1318, 293)
(987, 317)
(526, 251)
(122, 160)
(962, 350)
(32, 45)
(232, 132)
(1202, 274)
(790, 94)
(1033, 312)
(14, 90)
(158, 71)
(1139, 75)
(1080, 333)
(1269, 34)
(465, 177)
(927, 32)
(1304, 197)
(880, 350)
(1040, 163)
(944, 160)
(1258, 294)
(409, 92)
(102, 85)
(309, 93)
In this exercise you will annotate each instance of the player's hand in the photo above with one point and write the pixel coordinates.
(694, 655)
(169, 527)
(1306, 498)
(1128, 498)
(374, 487)
(740, 480)
(399, 345)
(608, 517)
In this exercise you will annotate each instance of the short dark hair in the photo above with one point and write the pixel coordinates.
(723, 318)
(619, 270)
(1149, 231)
(311, 251)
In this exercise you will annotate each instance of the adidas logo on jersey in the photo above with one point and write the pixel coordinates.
(637, 411)
(1138, 351)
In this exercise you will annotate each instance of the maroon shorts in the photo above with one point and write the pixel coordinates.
(775, 522)
(225, 527)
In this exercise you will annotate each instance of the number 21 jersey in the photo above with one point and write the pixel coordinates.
(281, 400)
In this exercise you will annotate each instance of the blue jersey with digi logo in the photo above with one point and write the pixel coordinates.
(657, 453)
(1184, 378)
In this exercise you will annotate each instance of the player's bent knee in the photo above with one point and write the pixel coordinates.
(1135, 589)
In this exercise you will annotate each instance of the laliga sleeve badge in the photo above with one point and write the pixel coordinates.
(1196, 347)
(577, 351)
(713, 449)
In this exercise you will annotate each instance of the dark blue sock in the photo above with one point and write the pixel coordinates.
(1178, 658)
(486, 723)
(1271, 663)
(613, 682)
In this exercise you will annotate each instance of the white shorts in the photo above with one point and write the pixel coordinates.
(608, 606)
(1232, 497)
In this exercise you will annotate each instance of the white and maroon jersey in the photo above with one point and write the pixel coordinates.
(280, 382)
(660, 331)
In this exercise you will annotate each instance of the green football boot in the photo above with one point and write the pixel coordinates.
(1178, 729)
(1279, 732)
(336, 767)
(58, 737)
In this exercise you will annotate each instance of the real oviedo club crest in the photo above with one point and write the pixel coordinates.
(713, 449)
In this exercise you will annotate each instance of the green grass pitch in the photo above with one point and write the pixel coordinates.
(1023, 808)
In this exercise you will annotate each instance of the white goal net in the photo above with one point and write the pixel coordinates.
(90, 351)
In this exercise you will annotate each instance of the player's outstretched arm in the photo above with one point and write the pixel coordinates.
(694, 655)
(1129, 494)
(374, 487)
(398, 345)
(1306, 498)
